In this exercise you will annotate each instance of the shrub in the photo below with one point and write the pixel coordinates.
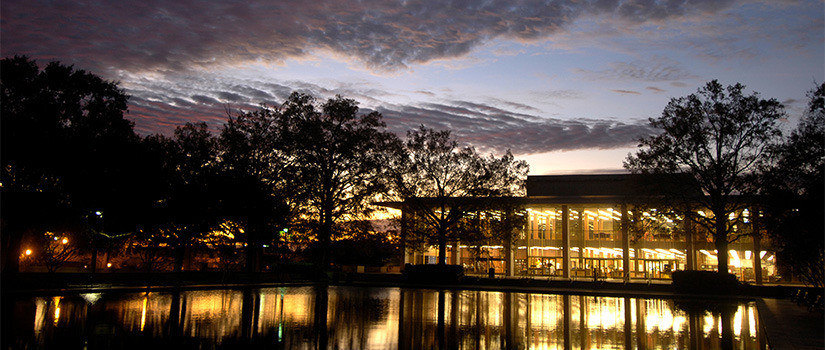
(430, 273)
(704, 282)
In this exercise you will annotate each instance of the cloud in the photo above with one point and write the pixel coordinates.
(204, 99)
(523, 134)
(627, 92)
(187, 34)
(557, 94)
(658, 69)
(655, 89)
(516, 105)
(493, 125)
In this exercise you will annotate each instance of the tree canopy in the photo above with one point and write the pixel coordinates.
(339, 159)
(442, 184)
(64, 133)
(717, 136)
(793, 186)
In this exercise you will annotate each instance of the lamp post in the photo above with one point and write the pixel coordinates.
(95, 222)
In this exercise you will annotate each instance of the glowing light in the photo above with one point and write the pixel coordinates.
(28, 252)
(56, 309)
(737, 322)
(143, 312)
(39, 314)
(708, 324)
(65, 240)
(735, 259)
(747, 255)
(108, 264)
(91, 298)
(762, 254)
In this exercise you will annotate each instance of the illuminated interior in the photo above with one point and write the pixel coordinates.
(596, 247)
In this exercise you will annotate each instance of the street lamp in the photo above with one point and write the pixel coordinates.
(28, 252)
(65, 240)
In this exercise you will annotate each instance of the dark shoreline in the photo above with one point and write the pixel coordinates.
(44, 283)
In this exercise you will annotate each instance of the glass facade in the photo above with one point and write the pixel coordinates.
(655, 245)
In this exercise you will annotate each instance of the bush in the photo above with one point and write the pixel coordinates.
(430, 273)
(704, 282)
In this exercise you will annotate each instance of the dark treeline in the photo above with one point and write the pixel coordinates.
(295, 181)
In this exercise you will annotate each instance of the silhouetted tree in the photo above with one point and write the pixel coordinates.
(63, 132)
(359, 243)
(257, 177)
(190, 167)
(339, 160)
(149, 246)
(716, 136)
(53, 250)
(794, 184)
(223, 240)
(442, 183)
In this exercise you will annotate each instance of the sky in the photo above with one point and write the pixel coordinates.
(566, 85)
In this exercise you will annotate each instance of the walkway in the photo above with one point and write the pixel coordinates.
(790, 326)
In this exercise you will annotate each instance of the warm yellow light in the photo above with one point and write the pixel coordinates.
(28, 252)
(143, 312)
(65, 240)
(735, 259)
(56, 309)
(108, 264)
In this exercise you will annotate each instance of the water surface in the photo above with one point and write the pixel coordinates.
(369, 318)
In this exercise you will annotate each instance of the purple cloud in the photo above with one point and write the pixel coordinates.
(626, 92)
(118, 35)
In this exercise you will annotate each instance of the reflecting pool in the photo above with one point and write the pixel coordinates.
(370, 318)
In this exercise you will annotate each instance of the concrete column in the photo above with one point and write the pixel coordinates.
(509, 265)
(690, 242)
(757, 247)
(582, 237)
(406, 258)
(455, 254)
(625, 244)
(565, 240)
(527, 253)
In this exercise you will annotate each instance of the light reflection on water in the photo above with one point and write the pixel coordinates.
(373, 318)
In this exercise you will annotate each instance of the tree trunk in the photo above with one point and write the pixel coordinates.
(11, 250)
(721, 244)
(720, 240)
(93, 263)
(180, 251)
(253, 244)
(325, 237)
(442, 246)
